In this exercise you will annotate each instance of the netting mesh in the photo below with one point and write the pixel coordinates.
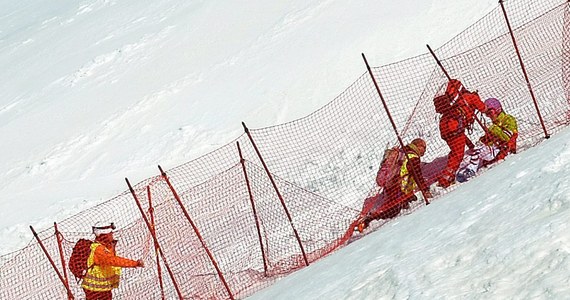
(323, 166)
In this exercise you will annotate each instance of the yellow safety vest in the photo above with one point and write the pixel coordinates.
(100, 278)
(408, 184)
(504, 127)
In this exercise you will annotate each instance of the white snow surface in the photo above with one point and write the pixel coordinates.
(95, 91)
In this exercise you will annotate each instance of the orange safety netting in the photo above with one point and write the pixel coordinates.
(323, 166)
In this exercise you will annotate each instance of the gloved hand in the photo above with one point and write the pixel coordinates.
(140, 263)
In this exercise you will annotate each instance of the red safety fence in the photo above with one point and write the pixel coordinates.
(276, 199)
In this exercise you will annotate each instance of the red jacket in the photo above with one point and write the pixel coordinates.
(461, 115)
(468, 102)
(451, 124)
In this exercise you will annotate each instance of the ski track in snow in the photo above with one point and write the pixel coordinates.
(88, 145)
(560, 162)
(104, 65)
(297, 18)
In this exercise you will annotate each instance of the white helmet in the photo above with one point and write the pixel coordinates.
(103, 228)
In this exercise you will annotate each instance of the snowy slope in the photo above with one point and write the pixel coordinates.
(94, 91)
(97, 90)
(503, 235)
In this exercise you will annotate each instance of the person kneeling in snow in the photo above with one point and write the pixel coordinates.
(500, 140)
(397, 183)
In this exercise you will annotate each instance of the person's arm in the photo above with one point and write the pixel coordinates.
(104, 257)
(498, 132)
(506, 129)
(510, 124)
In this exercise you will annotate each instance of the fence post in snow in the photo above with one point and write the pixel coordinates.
(185, 212)
(414, 175)
(242, 162)
(277, 191)
(59, 238)
(156, 248)
(546, 135)
(155, 240)
(69, 294)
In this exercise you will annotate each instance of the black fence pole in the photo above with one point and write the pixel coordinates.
(59, 237)
(156, 247)
(546, 135)
(413, 172)
(187, 215)
(242, 162)
(155, 240)
(277, 191)
(69, 294)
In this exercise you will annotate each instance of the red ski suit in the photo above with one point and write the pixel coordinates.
(452, 127)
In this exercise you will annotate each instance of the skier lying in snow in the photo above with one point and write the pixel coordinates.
(397, 183)
(496, 145)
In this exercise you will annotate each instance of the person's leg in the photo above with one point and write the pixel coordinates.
(370, 209)
(491, 155)
(470, 164)
(91, 295)
(409, 198)
(370, 204)
(107, 295)
(393, 205)
(457, 147)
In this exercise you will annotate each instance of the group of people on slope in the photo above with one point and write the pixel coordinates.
(457, 107)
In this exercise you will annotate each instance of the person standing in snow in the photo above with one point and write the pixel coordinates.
(104, 266)
(398, 190)
(457, 108)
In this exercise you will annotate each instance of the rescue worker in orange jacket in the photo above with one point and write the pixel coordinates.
(457, 107)
(399, 190)
(104, 266)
